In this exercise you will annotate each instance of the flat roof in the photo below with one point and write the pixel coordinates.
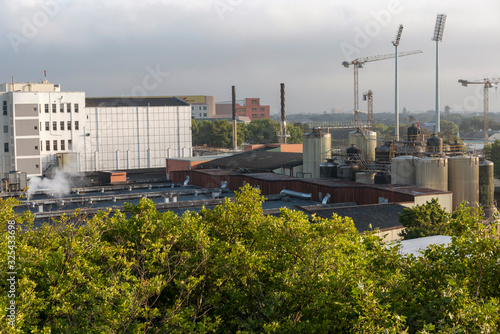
(134, 101)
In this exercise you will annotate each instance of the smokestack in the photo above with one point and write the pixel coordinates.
(235, 137)
(283, 121)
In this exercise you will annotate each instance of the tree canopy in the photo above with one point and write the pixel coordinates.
(263, 131)
(234, 270)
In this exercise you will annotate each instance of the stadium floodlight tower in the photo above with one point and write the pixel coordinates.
(396, 44)
(438, 37)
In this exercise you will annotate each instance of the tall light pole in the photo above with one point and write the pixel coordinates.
(438, 37)
(396, 44)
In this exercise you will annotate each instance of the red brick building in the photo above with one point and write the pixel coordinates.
(250, 108)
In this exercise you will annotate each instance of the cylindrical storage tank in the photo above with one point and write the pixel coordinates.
(432, 173)
(366, 141)
(382, 153)
(413, 133)
(435, 144)
(353, 151)
(403, 170)
(340, 169)
(366, 178)
(463, 180)
(487, 187)
(328, 169)
(317, 149)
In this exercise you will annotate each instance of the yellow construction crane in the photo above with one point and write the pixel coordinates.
(487, 84)
(358, 63)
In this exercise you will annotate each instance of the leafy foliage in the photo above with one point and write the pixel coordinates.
(234, 270)
(263, 131)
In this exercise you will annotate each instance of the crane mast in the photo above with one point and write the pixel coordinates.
(487, 84)
(358, 63)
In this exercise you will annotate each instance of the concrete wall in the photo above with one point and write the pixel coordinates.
(29, 109)
(27, 127)
(29, 165)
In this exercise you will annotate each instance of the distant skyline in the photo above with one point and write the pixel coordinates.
(203, 47)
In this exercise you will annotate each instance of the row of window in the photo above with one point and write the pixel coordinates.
(5, 107)
(55, 146)
(261, 109)
(199, 108)
(61, 125)
(61, 107)
(47, 145)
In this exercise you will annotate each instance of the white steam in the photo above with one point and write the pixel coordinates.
(59, 185)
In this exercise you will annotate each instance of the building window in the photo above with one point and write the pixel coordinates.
(6, 147)
(46, 108)
(47, 145)
(5, 129)
(54, 107)
(76, 107)
(47, 126)
(262, 115)
(69, 125)
(61, 107)
(36, 148)
(62, 145)
(204, 107)
(192, 108)
(254, 115)
(254, 109)
(5, 107)
(61, 125)
(54, 125)
(41, 145)
(77, 127)
(205, 114)
(55, 145)
(262, 109)
(254, 101)
(35, 127)
(70, 144)
(68, 108)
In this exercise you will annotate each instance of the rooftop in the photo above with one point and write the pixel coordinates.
(265, 159)
(134, 101)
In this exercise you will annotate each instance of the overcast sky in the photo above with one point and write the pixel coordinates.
(203, 47)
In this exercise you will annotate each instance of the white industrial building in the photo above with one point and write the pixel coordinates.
(130, 133)
(45, 128)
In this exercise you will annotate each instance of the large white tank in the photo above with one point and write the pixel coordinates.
(432, 173)
(403, 170)
(317, 148)
(463, 180)
(366, 141)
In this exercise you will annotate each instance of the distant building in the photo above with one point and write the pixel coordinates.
(45, 128)
(250, 107)
(202, 106)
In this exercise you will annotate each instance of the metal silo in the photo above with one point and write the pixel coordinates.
(432, 173)
(317, 149)
(463, 180)
(365, 140)
(403, 170)
(435, 144)
(487, 187)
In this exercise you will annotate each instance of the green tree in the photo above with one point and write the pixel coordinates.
(234, 270)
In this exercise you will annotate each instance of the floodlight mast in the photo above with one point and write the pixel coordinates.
(438, 37)
(396, 44)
